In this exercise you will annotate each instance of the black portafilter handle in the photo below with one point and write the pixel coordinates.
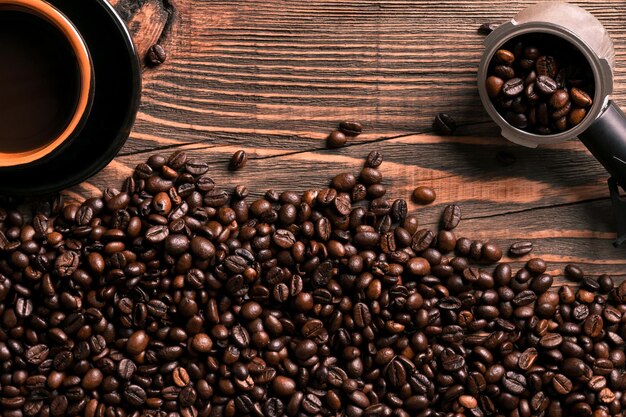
(606, 140)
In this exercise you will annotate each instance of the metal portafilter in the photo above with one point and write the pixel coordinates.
(603, 130)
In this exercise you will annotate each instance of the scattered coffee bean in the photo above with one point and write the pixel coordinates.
(486, 29)
(351, 128)
(424, 195)
(374, 159)
(521, 248)
(336, 139)
(451, 217)
(573, 273)
(156, 55)
(444, 124)
(238, 160)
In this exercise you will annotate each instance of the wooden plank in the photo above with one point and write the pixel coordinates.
(274, 77)
(281, 74)
(558, 198)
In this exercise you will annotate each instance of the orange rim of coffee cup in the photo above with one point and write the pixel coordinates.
(48, 12)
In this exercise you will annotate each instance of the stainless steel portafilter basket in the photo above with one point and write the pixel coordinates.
(603, 130)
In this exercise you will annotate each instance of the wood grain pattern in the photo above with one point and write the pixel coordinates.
(274, 77)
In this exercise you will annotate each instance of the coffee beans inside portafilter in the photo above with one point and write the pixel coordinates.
(174, 297)
(541, 84)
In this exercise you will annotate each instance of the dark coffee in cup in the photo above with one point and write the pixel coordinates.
(39, 81)
(46, 82)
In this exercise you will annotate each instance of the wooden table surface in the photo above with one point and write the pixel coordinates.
(275, 77)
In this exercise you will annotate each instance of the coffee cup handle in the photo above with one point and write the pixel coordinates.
(606, 140)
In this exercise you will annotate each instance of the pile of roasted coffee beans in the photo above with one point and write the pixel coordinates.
(541, 84)
(174, 297)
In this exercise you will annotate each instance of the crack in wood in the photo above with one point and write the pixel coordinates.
(530, 209)
(349, 145)
(165, 148)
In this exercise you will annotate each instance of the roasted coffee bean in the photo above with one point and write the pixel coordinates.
(494, 86)
(504, 56)
(487, 28)
(444, 124)
(527, 358)
(336, 139)
(23, 307)
(196, 167)
(514, 383)
(284, 386)
(137, 342)
(177, 160)
(374, 159)
(66, 263)
(157, 234)
(593, 325)
(559, 99)
(424, 195)
(351, 128)
(343, 182)
(92, 379)
(573, 273)
(180, 377)
(562, 384)
(451, 361)
(37, 354)
(451, 217)
(576, 115)
(514, 87)
(504, 71)
(126, 368)
(551, 340)
(135, 395)
(521, 248)
(546, 85)
(422, 240)
(547, 66)
(580, 98)
(399, 210)
(58, 406)
(156, 55)
(238, 160)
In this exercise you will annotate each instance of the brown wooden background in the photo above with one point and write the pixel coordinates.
(274, 77)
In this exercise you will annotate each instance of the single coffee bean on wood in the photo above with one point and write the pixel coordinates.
(156, 55)
(238, 160)
(424, 195)
(351, 128)
(486, 29)
(444, 124)
(521, 248)
(336, 139)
